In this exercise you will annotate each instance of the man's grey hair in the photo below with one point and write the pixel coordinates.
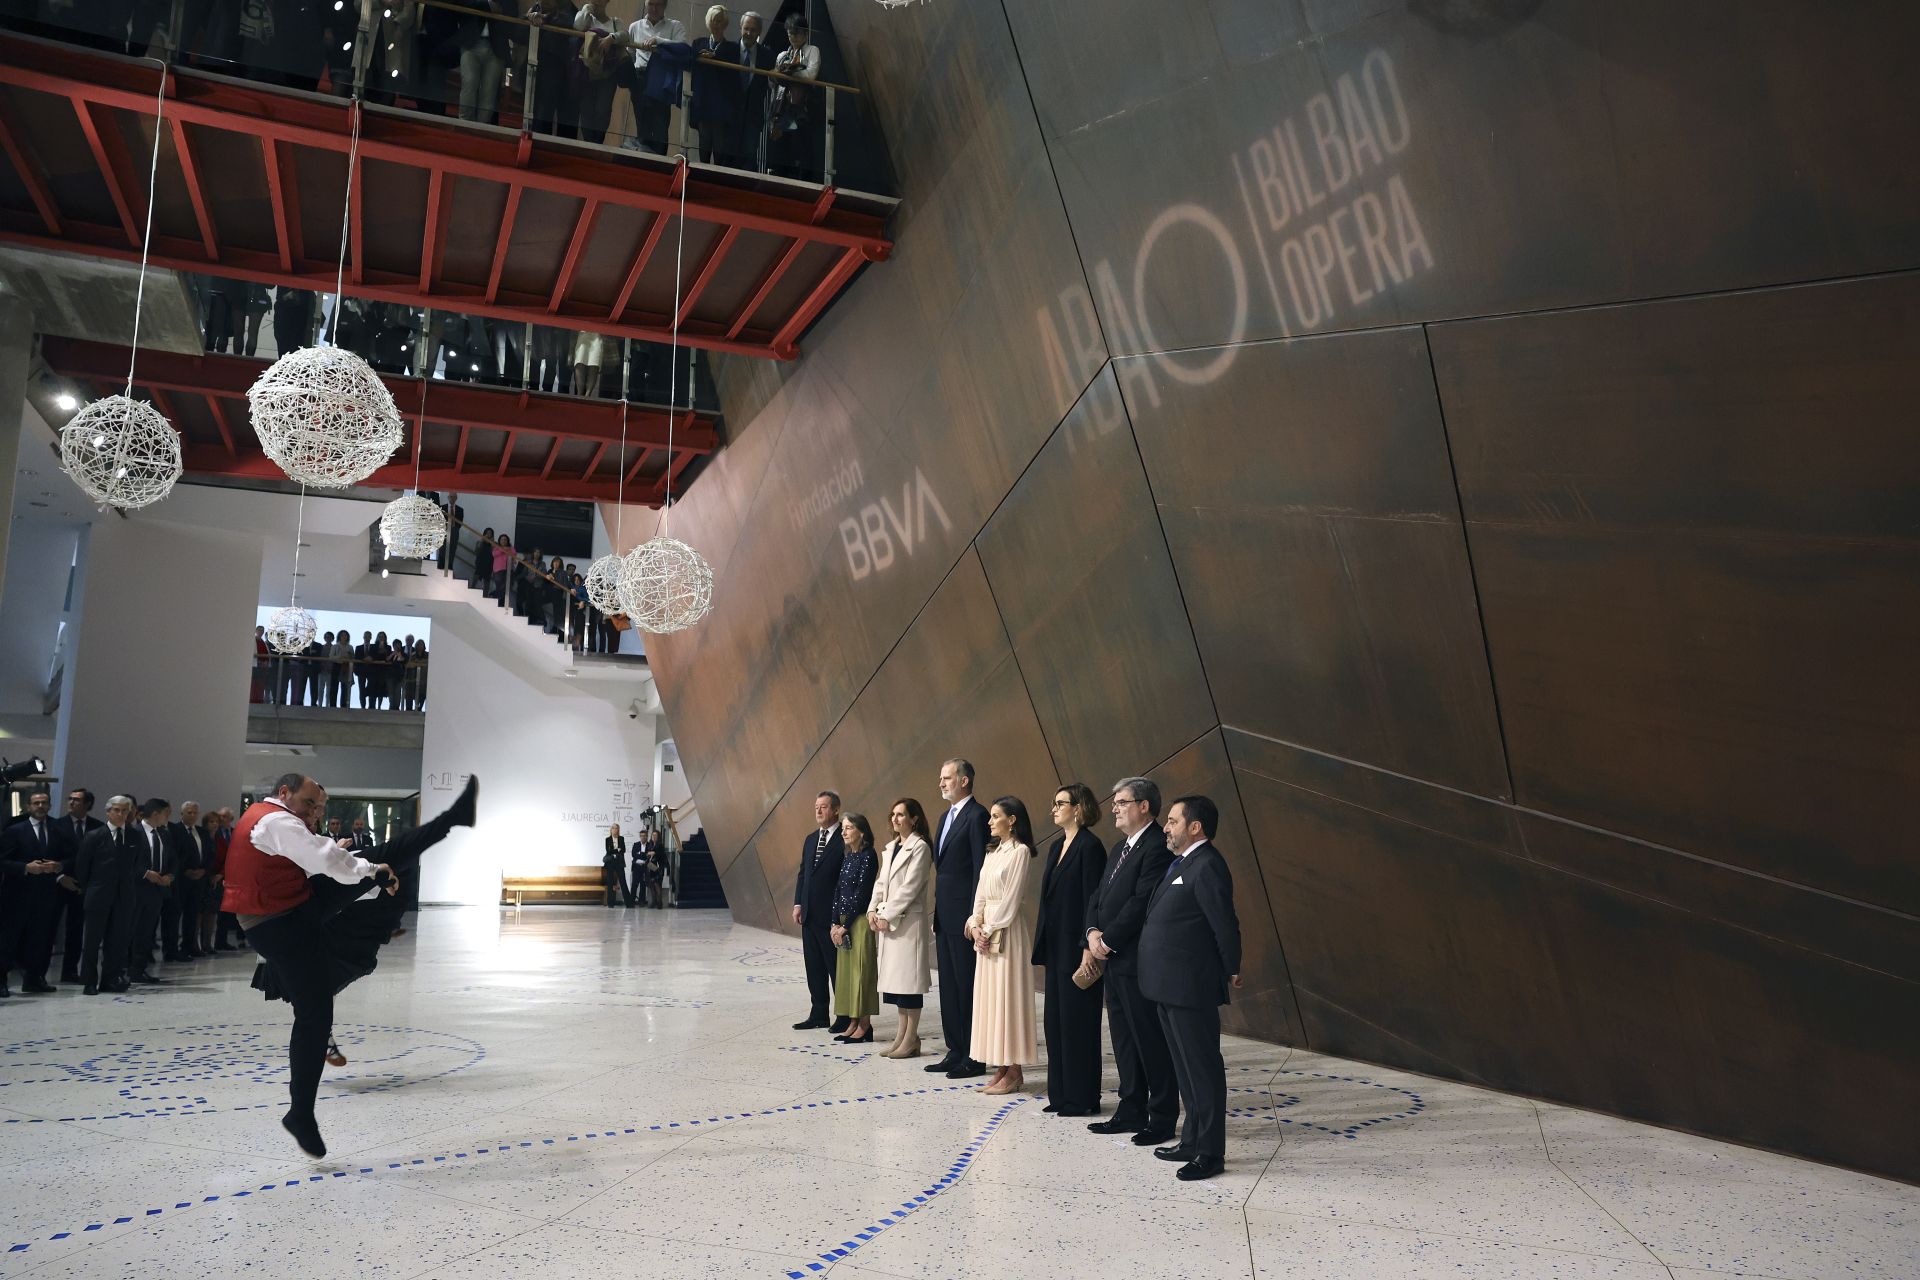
(1143, 789)
(962, 767)
(751, 14)
(114, 800)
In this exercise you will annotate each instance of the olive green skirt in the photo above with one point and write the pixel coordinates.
(856, 990)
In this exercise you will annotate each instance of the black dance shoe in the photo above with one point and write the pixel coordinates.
(461, 812)
(306, 1131)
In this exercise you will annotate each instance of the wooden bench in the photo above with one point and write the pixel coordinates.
(563, 884)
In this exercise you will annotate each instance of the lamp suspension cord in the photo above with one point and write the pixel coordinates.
(146, 239)
(620, 493)
(420, 435)
(299, 536)
(673, 361)
(346, 223)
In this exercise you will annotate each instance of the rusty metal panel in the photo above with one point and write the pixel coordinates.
(1084, 584)
(1465, 938)
(1310, 509)
(1693, 525)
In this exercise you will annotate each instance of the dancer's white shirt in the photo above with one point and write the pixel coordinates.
(285, 836)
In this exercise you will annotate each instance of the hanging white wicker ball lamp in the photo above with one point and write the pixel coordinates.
(603, 583)
(121, 452)
(413, 527)
(325, 417)
(665, 586)
(290, 630)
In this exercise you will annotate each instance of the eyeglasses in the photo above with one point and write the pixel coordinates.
(1061, 804)
(1118, 803)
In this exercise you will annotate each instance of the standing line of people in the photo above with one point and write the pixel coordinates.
(113, 894)
(1145, 930)
(651, 879)
(384, 674)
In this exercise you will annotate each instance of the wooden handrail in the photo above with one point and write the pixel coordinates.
(620, 42)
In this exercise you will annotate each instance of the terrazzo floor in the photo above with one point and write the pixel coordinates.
(575, 1092)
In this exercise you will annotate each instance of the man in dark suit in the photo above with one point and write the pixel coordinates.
(1189, 957)
(754, 51)
(153, 876)
(1149, 1095)
(35, 856)
(76, 826)
(180, 914)
(820, 858)
(959, 851)
(109, 859)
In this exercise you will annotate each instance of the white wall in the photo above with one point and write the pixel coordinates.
(155, 696)
(558, 759)
(39, 558)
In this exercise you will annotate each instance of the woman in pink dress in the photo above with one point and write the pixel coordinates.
(1001, 928)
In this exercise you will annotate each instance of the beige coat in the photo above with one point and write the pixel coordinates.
(903, 894)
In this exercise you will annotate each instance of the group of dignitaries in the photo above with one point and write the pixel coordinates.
(1145, 929)
(114, 894)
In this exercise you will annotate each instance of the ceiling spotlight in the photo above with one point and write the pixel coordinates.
(66, 402)
(383, 571)
(348, 46)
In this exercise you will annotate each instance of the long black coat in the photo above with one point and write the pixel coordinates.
(1068, 885)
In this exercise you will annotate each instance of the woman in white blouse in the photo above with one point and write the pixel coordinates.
(901, 916)
(1001, 928)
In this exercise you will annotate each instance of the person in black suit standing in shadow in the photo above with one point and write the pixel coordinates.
(105, 869)
(37, 858)
(1189, 957)
(1074, 872)
(959, 851)
(77, 826)
(613, 869)
(820, 858)
(1149, 1096)
(154, 867)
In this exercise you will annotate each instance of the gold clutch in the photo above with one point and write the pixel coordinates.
(1089, 972)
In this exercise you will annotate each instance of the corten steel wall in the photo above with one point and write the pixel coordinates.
(1473, 441)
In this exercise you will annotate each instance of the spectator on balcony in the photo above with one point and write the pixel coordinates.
(595, 68)
(293, 319)
(418, 671)
(253, 313)
(262, 668)
(718, 95)
(577, 614)
(502, 565)
(553, 609)
(363, 673)
(397, 674)
(482, 575)
(652, 116)
(377, 654)
(589, 352)
(555, 109)
(484, 48)
(790, 131)
(748, 145)
(339, 670)
(552, 360)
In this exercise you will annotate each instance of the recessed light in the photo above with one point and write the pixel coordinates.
(65, 402)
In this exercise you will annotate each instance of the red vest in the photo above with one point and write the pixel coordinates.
(260, 884)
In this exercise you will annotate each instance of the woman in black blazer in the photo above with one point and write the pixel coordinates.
(613, 868)
(1075, 863)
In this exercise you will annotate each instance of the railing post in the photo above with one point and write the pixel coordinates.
(830, 132)
(533, 81)
(362, 48)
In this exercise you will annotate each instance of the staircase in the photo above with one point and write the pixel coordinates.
(699, 878)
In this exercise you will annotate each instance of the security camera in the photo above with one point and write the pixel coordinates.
(633, 709)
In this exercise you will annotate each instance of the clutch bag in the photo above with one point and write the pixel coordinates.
(1088, 973)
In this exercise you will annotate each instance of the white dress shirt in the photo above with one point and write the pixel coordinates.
(284, 836)
(667, 29)
(805, 64)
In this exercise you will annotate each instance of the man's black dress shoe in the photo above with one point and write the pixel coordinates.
(90, 990)
(840, 1024)
(941, 1067)
(1151, 1137)
(1118, 1124)
(809, 1024)
(967, 1070)
(146, 980)
(34, 987)
(1176, 1153)
(1201, 1168)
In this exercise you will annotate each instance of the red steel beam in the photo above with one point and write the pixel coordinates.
(576, 249)
(285, 198)
(415, 140)
(506, 454)
(647, 246)
(599, 451)
(553, 456)
(433, 244)
(638, 463)
(216, 403)
(704, 276)
(356, 229)
(196, 193)
(203, 460)
(29, 170)
(110, 157)
(765, 287)
(501, 245)
(457, 404)
(816, 302)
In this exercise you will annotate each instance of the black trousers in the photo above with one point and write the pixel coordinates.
(955, 956)
(652, 121)
(1194, 1037)
(74, 917)
(615, 885)
(26, 929)
(179, 915)
(816, 945)
(1073, 1038)
(144, 921)
(312, 958)
(1149, 1093)
(103, 944)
